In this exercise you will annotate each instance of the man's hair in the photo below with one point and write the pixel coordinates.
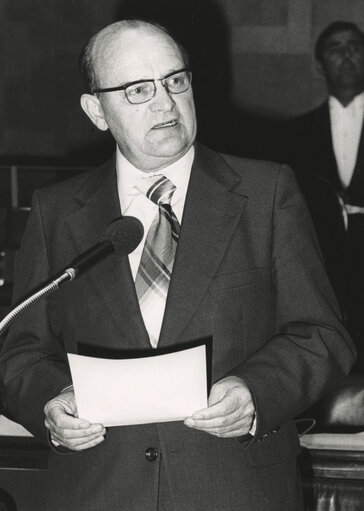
(333, 28)
(86, 60)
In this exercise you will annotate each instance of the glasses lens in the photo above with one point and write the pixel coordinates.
(178, 82)
(140, 92)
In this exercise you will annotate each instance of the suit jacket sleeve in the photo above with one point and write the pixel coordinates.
(33, 364)
(311, 349)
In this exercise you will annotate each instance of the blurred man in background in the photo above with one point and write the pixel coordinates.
(329, 142)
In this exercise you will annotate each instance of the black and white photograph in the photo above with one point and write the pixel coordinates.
(182, 255)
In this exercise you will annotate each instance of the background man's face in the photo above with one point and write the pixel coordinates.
(151, 135)
(343, 60)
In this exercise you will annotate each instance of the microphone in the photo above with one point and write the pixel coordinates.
(122, 236)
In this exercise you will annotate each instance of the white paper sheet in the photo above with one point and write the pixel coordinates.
(159, 388)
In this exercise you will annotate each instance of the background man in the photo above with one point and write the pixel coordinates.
(247, 271)
(329, 142)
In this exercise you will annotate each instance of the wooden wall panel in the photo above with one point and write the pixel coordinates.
(272, 51)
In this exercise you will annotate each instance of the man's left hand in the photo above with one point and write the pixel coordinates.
(230, 411)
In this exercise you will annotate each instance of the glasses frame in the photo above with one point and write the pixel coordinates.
(150, 80)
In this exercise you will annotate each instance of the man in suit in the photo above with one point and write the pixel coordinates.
(329, 142)
(247, 272)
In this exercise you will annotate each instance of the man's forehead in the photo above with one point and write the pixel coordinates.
(128, 40)
(124, 53)
(343, 36)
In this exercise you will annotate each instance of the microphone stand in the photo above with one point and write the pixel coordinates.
(46, 290)
(123, 235)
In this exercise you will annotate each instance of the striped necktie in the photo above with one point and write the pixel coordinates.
(155, 268)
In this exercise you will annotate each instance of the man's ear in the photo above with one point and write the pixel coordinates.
(91, 106)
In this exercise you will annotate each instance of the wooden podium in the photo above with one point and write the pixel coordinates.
(332, 466)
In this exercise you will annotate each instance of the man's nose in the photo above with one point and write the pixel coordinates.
(347, 51)
(162, 99)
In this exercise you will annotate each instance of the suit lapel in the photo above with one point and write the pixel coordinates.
(354, 194)
(111, 278)
(212, 211)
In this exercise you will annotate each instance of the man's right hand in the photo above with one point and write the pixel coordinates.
(66, 429)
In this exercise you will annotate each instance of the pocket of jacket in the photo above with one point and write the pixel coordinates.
(275, 447)
(236, 279)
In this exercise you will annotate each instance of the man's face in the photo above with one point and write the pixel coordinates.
(154, 134)
(343, 61)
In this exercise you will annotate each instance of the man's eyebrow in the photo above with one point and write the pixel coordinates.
(165, 75)
(349, 41)
(333, 43)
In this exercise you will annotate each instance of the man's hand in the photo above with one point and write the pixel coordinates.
(230, 412)
(66, 428)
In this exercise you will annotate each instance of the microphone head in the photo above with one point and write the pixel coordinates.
(125, 233)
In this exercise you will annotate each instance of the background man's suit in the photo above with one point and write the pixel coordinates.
(310, 150)
(248, 271)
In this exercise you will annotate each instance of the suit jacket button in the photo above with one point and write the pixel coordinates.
(151, 454)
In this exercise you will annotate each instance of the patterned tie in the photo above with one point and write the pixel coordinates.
(155, 269)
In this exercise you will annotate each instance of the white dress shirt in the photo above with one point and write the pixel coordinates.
(134, 203)
(346, 126)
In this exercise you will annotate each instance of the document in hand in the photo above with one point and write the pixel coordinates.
(157, 388)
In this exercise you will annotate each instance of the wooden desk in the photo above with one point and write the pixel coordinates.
(19, 450)
(22, 453)
(23, 464)
(332, 467)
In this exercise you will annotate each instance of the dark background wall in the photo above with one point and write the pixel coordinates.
(252, 60)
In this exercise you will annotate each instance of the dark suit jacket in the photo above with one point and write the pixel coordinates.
(248, 272)
(309, 148)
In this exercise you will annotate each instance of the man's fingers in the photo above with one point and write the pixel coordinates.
(222, 408)
(58, 418)
(61, 412)
(215, 416)
(76, 441)
(75, 431)
(228, 407)
(79, 445)
(222, 421)
(230, 426)
(230, 412)
(66, 428)
(219, 425)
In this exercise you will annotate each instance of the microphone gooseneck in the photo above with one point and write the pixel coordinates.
(122, 236)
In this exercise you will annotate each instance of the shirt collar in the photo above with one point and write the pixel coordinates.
(357, 102)
(127, 175)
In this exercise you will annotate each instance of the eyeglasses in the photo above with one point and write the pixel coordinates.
(142, 91)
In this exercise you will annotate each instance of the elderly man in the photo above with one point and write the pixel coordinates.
(246, 271)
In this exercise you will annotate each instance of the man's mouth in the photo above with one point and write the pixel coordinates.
(348, 67)
(169, 124)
